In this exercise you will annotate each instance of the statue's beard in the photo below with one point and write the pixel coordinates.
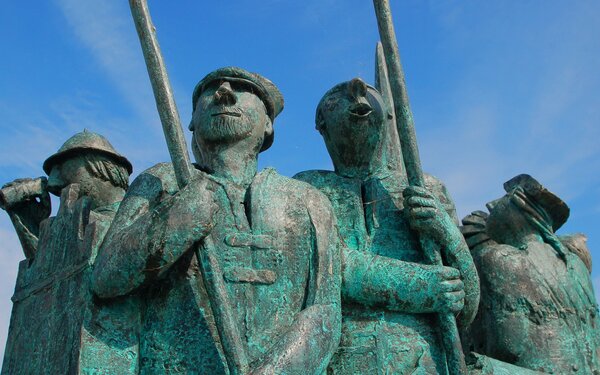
(226, 128)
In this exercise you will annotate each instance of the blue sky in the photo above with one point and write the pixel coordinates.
(497, 87)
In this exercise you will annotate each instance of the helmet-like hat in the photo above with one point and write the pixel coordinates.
(265, 90)
(86, 142)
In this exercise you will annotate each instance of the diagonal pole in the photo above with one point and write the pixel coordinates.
(229, 334)
(410, 153)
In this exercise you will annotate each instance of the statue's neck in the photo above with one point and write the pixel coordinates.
(234, 164)
(521, 235)
(383, 160)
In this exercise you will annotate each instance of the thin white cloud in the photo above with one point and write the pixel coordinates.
(106, 30)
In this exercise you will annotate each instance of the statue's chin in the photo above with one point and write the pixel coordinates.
(225, 129)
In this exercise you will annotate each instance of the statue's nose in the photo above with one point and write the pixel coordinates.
(55, 181)
(357, 89)
(491, 205)
(224, 94)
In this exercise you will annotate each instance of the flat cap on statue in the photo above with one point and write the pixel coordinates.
(555, 207)
(86, 142)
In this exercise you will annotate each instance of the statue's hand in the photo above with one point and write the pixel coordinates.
(427, 215)
(27, 198)
(446, 290)
(189, 212)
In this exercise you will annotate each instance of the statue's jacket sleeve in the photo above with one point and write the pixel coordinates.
(369, 278)
(145, 239)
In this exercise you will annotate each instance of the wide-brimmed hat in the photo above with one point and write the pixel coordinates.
(265, 90)
(86, 142)
(555, 207)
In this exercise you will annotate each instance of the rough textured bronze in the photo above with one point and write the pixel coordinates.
(266, 244)
(538, 309)
(57, 326)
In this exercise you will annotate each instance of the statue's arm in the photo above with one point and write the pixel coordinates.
(310, 342)
(373, 280)
(26, 211)
(150, 232)
(427, 215)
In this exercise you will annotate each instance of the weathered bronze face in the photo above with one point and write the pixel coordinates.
(351, 117)
(69, 172)
(228, 112)
(506, 221)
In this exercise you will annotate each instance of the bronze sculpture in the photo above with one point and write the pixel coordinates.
(538, 307)
(273, 239)
(387, 289)
(220, 268)
(91, 178)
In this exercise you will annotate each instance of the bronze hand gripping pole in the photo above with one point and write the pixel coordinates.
(410, 153)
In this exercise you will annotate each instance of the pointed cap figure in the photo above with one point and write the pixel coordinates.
(85, 142)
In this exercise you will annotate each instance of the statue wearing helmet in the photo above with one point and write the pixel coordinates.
(55, 323)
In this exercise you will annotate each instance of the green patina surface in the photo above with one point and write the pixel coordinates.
(249, 272)
(389, 293)
(538, 308)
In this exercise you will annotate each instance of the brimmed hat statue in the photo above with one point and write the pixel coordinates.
(86, 142)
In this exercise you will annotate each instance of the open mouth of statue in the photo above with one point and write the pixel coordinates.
(360, 110)
(225, 113)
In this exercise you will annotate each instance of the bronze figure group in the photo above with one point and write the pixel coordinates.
(216, 267)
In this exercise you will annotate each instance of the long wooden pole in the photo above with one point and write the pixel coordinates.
(163, 94)
(229, 334)
(410, 153)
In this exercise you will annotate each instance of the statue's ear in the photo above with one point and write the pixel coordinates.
(320, 122)
(269, 127)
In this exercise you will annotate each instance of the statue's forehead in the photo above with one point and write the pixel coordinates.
(343, 88)
(236, 84)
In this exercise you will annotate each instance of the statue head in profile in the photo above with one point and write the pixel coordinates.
(352, 118)
(527, 209)
(231, 108)
(89, 160)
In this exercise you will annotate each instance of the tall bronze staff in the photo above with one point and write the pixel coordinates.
(231, 340)
(410, 153)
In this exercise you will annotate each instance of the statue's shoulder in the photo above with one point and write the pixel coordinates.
(328, 181)
(292, 187)
(154, 180)
(157, 180)
(499, 259)
(317, 177)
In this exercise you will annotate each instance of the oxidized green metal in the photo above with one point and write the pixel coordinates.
(388, 292)
(265, 242)
(538, 308)
(57, 326)
(215, 267)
